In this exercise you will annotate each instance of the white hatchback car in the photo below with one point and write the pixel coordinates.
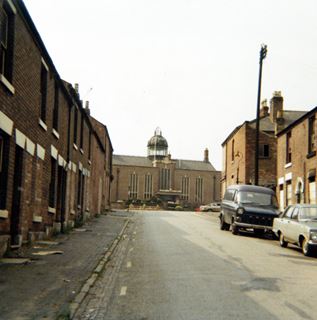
(215, 206)
(298, 225)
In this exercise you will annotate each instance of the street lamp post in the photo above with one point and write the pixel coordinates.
(263, 53)
(240, 156)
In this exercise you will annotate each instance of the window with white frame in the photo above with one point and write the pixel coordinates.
(311, 134)
(43, 90)
(7, 25)
(89, 144)
(81, 141)
(288, 147)
(75, 124)
(56, 107)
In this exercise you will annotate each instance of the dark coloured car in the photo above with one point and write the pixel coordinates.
(248, 207)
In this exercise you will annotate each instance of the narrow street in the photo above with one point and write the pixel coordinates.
(179, 265)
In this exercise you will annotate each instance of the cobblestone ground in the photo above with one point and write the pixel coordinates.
(43, 287)
(94, 306)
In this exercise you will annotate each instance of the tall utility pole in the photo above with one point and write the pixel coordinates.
(263, 52)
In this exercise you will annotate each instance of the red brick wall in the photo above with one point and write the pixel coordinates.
(23, 108)
(101, 158)
(301, 163)
(243, 162)
(236, 164)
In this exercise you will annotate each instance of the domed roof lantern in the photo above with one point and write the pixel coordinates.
(157, 147)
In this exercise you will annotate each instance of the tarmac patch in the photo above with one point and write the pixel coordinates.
(266, 284)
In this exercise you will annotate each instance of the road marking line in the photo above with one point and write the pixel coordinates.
(123, 291)
(129, 264)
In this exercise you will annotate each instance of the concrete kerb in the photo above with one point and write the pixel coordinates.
(73, 307)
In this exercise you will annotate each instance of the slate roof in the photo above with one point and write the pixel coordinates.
(297, 121)
(194, 165)
(289, 116)
(138, 161)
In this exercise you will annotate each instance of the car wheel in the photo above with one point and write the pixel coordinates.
(234, 229)
(223, 224)
(306, 248)
(283, 243)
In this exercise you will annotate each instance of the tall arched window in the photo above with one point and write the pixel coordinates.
(133, 186)
(148, 186)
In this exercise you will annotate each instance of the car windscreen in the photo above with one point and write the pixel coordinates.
(256, 198)
(308, 213)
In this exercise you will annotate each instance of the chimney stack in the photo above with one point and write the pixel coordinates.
(206, 155)
(279, 125)
(264, 109)
(87, 108)
(77, 88)
(276, 106)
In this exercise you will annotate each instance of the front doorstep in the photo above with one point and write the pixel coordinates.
(4, 244)
(35, 236)
(57, 227)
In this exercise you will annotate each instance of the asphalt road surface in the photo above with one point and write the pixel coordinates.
(180, 265)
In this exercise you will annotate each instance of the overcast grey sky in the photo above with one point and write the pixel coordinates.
(187, 66)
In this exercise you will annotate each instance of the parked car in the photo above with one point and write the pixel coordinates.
(298, 225)
(248, 207)
(214, 206)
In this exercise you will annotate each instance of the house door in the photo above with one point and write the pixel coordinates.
(61, 190)
(16, 202)
(312, 192)
(281, 199)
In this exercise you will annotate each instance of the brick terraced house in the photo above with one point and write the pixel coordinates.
(182, 182)
(297, 161)
(239, 146)
(55, 159)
